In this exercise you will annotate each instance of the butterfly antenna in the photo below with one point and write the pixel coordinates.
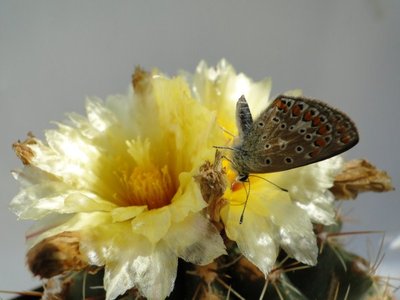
(227, 158)
(245, 203)
(274, 184)
(226, 131)
(224, 147)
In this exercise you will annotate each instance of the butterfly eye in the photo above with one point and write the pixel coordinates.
(267, 146)
(261, 124)
(282, 126)
(276, 120)
(267, 161)
(292, 127)
(264, 137)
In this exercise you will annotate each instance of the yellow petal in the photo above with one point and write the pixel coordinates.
(195, 240)
(121, 214)
(256, 237)
(153, 275)
(153, 224)
(188, 198)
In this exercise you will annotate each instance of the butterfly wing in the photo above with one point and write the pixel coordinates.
(244, 120)
(293, 132)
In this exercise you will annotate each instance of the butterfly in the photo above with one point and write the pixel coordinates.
(291, 132)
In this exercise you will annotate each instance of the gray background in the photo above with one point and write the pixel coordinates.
(53, 54)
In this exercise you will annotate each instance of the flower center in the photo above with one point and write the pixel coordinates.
(149, 186)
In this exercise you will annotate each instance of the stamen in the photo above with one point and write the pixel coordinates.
(151, 186)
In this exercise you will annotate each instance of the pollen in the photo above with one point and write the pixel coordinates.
(149, 186)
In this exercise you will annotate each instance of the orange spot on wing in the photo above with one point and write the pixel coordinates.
(280, 105)
(322, 130)
(314, 153)
(307, 116)
(316, 121)
(345, 139)
(296, 111)
(320, 142)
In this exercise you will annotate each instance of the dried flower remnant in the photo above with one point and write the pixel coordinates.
(213, 183)
(22, 149)
(360, 176)
(56, 255)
